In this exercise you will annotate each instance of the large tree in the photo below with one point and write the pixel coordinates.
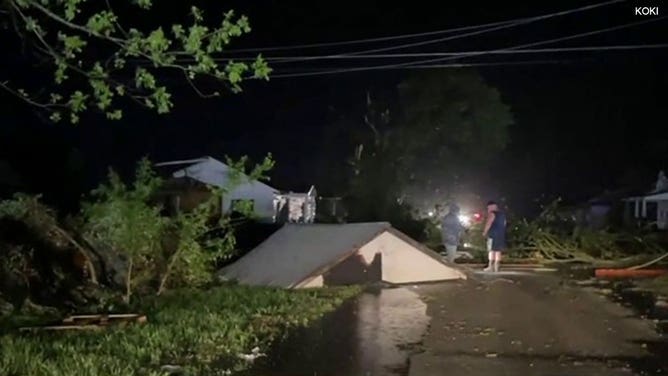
(446, 126)
(100, 51)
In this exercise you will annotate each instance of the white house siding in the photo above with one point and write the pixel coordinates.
(261, 195)
(403, 263)
(215, 173)
(662, 215)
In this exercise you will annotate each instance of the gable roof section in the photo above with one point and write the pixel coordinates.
(295, 252)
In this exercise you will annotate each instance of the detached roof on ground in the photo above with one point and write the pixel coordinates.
(316, 255)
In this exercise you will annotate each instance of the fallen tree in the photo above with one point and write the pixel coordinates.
(121, 244)
(559, 238)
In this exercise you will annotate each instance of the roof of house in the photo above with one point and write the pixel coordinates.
(298, 252)
(210, 171)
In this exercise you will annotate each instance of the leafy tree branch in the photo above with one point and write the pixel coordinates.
(97, 61)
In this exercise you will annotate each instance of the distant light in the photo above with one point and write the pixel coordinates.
(477, 216)
(467, 245)
(431, 213)
(464, 219)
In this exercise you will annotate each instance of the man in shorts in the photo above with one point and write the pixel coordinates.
(495, 232)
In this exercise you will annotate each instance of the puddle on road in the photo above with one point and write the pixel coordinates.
(372, 335)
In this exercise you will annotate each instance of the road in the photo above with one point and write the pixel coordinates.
(523, 325)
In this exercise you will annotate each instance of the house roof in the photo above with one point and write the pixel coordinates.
(662, 196)
(298, 252)
(208, 170)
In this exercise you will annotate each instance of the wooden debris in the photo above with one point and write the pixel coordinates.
(90, 322)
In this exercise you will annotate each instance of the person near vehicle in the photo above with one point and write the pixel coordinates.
(452, 230)
(495, 233)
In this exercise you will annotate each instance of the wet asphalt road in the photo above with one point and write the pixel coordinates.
(522, 325)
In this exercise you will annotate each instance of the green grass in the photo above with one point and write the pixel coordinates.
(202, 331)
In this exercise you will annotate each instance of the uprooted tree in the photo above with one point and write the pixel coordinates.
(121, 239)
(99, 53)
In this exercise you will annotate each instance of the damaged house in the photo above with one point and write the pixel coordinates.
(651, 207)
(188, 181)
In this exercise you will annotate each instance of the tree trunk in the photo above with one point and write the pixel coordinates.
(168, 272)
(84, 252)
(128, 283)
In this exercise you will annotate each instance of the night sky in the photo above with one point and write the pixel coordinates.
(585, 122)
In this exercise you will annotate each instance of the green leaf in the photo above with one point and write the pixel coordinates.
(77, 102)
(156, 46)
(60, 74)
(144, 4)
(102, 22)
(162, 100)
(72, 44)
(72, 8)
(55, 117)
(119, 63)
(144, 79)
(197, 14)
(102, 93)
(115, 115)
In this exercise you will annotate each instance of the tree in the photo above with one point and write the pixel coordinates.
(452, 123)
(97, 57)
(446, 123)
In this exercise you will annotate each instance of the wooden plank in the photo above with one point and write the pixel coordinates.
(104, 319)
(91, 322)
(60, 328)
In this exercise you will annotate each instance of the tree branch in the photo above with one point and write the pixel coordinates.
(25, 98)
(69, 24)
(196, 89)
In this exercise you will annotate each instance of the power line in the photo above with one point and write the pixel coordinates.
(489, 27)
(478, 53)
(494, 52)
(475, 64)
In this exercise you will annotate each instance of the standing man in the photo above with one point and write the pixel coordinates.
(452, 230)
(495, 232)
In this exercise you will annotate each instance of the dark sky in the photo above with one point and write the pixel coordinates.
(589, 122)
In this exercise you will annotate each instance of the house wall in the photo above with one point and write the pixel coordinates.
(662, 215)
(318, 281)
(386, 258)
(215, 173)
(403, 263)
(262, 196)
(355, 270)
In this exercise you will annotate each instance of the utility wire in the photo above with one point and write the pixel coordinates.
(478, 64)
(493, 26)
(478, 53)
(625, 47)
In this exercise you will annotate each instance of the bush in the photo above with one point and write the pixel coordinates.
(155, 252)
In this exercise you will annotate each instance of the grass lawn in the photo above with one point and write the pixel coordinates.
(202, 331)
